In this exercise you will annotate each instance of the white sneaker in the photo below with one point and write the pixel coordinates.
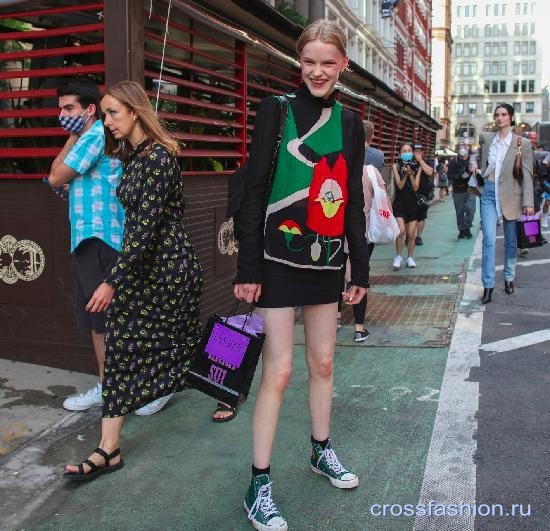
(155, 406)
(397, 262)
(90, 398)
(544, 221)
(411, 262)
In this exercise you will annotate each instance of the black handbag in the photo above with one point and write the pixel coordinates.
(422, 201)
(227, 356)
(235, 184)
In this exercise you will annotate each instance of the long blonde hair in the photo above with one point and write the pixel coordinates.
(134, 98)
(328, 31)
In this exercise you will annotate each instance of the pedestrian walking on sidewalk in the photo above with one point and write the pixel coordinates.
(153, 290)
(425, 188)
(291, 251)
(502, 195)
(464, 201)
(96, 216)
(406, 175)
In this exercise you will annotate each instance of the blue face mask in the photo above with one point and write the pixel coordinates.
(73, 124)
(407, 157)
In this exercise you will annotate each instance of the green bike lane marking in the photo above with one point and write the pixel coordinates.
(184, 472)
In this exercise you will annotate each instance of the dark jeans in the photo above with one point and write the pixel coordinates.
(359, 309)
(465, 208)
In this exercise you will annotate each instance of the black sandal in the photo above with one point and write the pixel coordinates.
(95, 470)
(225, 407)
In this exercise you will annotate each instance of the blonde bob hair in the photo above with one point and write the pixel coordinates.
(134, 98)
(327, 31)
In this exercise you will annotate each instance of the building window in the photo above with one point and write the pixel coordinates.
(532, 67)
(495, 30)
(459, 31)
(487, 30)
(487, 86)
(487, 49)
(472, 108)
(532, 47)
(532, 85)
(525, 29)
(524, 68)
(516, 87)
(503, 30)
(503, 10)
(524, 48)
(524, 86)
(525, 8)
(475, 32)
(517, 48)
(494, 87)
(503, 48)
(474, 11)
(487, 10)
(458, 87)
(516, 68)
(466, 50)
(488, 108)
(466, 32)
(502, 87)
(517, 29)
(518, 9)
(486, 68)
(458, 50)
(474, 49)
(466, 11)
(517, 106)
(459, 108)
(529, 106)
(458, 11)
(496, 48)
(503, 69)
(532, 28)
(494, 68)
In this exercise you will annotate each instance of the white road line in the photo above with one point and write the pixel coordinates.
(527, 263)
(513, 343)
(450, 473)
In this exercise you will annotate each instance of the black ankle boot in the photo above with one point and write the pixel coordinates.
(509, 287)
(487, 294)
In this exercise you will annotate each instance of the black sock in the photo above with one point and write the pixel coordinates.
(260, 471)
(323, 444)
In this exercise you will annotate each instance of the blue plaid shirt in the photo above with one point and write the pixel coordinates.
(94, 210)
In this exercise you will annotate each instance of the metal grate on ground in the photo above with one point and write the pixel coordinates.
(397, 280)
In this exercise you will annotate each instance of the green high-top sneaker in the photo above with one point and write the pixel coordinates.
(325, 463)
(261, 509)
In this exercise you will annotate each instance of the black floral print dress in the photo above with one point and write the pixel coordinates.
(153, 322)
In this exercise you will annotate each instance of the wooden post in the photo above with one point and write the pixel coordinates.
(123, 41)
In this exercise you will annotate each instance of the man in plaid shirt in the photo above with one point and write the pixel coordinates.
(96, 216)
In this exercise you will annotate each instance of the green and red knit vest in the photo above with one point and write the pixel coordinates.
(304, 225)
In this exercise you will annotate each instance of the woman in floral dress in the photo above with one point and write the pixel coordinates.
(154, 287)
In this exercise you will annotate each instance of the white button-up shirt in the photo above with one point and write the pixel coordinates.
(497, 152)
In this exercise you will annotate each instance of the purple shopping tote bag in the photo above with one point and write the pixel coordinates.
(227, 356)
(529, 232)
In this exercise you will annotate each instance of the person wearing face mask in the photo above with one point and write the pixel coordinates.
(96, 216)
(406, 174)
(465, 202)
(502, 195)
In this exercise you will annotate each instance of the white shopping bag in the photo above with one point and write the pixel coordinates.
(383, 227)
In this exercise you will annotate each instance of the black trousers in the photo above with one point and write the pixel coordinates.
(359, 309)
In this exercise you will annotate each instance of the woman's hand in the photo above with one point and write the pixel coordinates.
(247, 292)
(528, 211)
(354, 295)
(101, 298)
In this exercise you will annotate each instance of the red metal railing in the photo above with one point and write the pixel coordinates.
(33, 62)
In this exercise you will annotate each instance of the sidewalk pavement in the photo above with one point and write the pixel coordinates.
(185, 472)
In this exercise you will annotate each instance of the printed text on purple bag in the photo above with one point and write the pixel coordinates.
(226, 346)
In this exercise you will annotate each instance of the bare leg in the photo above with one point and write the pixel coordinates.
(110, 441)
(320, 342)
(276, 371)
(400, 240)
(411, 235)
(420, 227)
(98, 341)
